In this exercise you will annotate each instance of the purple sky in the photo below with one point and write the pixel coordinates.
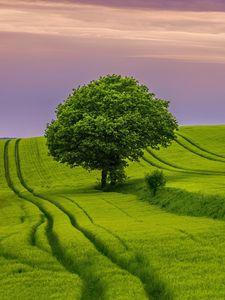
(47, 48)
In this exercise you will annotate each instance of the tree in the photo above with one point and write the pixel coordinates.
(107, 122)
(155, 181)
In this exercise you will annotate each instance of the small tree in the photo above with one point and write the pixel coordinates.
(155, 180)
(106, 122)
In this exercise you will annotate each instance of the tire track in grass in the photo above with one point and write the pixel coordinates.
(117, 207)
(159, 166)
(186, 170)
(192, 150)
(43, 218)
(35, 230)
(13, 259)
(21, 195)
(16, 259)
(137, 285)
(166, 167)
(199, 147)
(56, 249)
(121, 209)
(190, 236)
(11, 186)
(95, 224)
(136, 266)
(23, 216)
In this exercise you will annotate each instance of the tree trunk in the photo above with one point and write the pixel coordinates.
(104, 178)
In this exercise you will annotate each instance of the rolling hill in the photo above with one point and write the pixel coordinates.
(61, 238)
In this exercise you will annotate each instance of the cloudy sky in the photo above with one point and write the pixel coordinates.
(47, 48)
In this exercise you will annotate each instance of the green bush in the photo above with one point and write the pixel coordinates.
(155, 180)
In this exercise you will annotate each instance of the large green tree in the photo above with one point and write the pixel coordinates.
(107, 122)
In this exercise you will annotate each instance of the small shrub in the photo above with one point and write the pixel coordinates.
(155, 180)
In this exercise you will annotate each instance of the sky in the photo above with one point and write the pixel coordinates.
(49, 47)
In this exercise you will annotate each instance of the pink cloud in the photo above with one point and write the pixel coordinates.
(182, 5)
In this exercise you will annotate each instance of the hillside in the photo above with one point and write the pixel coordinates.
(61, 238)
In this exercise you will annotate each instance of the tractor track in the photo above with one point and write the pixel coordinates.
(199, 147)
(11, 186)
(16, 259)
(117, 207)
(72, 220)
(209, 157)
(157, 292)
(171, 167)
(95, 224)
(52, 239)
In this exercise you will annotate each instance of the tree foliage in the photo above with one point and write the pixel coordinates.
(107, 122)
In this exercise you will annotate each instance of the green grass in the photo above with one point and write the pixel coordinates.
(209, 138)
(61, 238)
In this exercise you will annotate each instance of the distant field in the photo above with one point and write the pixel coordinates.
(61, 238)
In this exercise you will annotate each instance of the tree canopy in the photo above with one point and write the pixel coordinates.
(107, 122)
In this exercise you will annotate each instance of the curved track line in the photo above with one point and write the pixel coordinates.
(199, 147)
(99, 246)
(20, 260)
(95, 224)
(189, 170)
(11, 186)
(161, 167)
(35, 230)
(120, 209)
(145, 277)
(51, 238)
(24, 215)
(167, 167)
(89, 236)
(153, 293)
(189, 148)
(71, 217)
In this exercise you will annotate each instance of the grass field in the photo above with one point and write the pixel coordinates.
(61, 238)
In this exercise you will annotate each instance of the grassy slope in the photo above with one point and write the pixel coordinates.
(173, 247)
(26, 261)
(210, 138)
(136, 250)
(193, 192)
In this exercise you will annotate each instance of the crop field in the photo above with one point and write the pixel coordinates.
(62, 238)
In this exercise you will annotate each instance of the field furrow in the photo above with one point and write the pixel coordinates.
(22, 196)
(185, 143)
(190, 141)
(58, 229)
(114, 247)
(27, 270)
(41, 217)
(94, 223)
(152, 161)
(157, 162)
(135, 283)
(179, 168)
